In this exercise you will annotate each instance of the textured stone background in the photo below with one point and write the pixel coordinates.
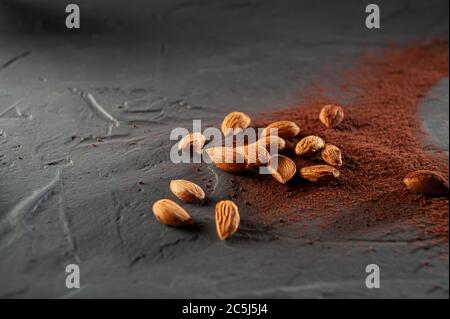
(155, 67)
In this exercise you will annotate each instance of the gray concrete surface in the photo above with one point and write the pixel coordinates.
(154, 68)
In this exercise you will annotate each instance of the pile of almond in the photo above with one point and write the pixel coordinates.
(257, 154)
(251, 156)
(254, 155)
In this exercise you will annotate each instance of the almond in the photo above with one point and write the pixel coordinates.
(228, 159)
(427, 182)
(320, 174)
(186, 191)
(170, 213)
(331, 115)
(196, 141)
(275, 142)
(331, 154)
(309, 146)
(285, 129)
(235, 122)
(284, 170)
(255, 155)
(227, 218)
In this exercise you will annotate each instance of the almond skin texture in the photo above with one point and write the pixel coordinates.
(228, 159)
(286, 129)
(331, 115)
(309, 146)
(331, 154)
(186, 191)
(235, 122)
(168, 212)
(319, 174)
(255, 155)
(227, 218)
(427, 183)
(196, 141)
(285, 170)
(276, 142)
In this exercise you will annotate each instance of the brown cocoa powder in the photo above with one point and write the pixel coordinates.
(380, 142)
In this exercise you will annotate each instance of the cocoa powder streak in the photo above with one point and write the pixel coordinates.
(380, 143)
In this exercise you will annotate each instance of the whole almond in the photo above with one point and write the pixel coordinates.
(170, 213)
(227, 218)
(186, 191)
(276, 142)
(320, 174)
(331, 115)
(235, 122)
(331, 154)
(255, 155)
(309, 146)
(196, 141)
(228, 159)
(427, 182)
(285, 129)
(284, 170)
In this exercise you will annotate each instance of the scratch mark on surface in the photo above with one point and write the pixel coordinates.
(117, 139)
(14, 59)
(18, 113)
(65, 224)
(163, 247)
(117, 222)
(216, 179)
(46, 143)
(97, 108)
(11, 227)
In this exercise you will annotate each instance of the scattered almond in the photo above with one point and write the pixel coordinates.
(309, 146)
(228, 159)
(331, 154)
(284, 170)
(255, 155)
(235, 122)
(227, 218)
(196, 141)
(275, 142)
(427, 182)
(331, 115)
(186, 191)
(286, 129)
(320, 174)
(170, 213)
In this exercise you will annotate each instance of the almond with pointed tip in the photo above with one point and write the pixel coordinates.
(271, 141)
(331, 115)
(427, 182)
(331, 154)
(309, 146)
(187, 191)
(235, 122)
(319, 174)
(228, 159)
(168, 212)
(227, 218)
(285, 129)
(284, 170)
(196, 141)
